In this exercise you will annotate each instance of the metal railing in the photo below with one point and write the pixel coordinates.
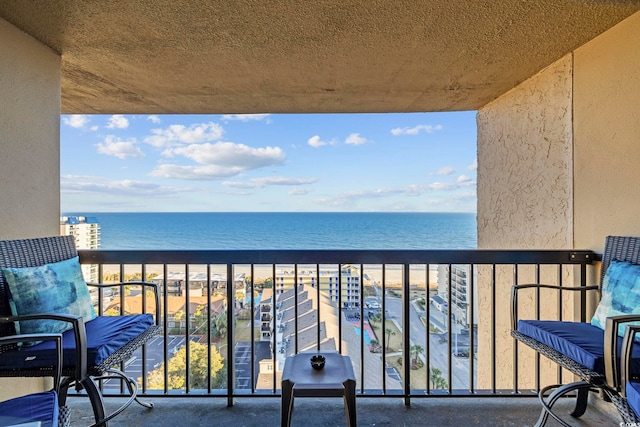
(231, 317)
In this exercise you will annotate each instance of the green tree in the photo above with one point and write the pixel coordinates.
(178, 317)
(177, 369)
(389, 333)
(416, 349)
(221, 325)
(437, 381)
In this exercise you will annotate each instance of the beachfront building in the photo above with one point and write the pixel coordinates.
(86, 231)
(177, 283)
(461, 285)
(327, 279)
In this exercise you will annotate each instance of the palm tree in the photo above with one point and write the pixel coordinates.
(389, 332)
(437, 381)
(416, 349)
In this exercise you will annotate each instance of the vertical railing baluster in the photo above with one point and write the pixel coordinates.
(143, 368)
(187, 342)
(230, 334)
(383, 328)
(274, 329)
(295, 307)
(165, 328)
(406, 333)
(537, 305)
(515, 343)
(559, 302)
(449, 332)
(318, 309)
(427, 319)
(493, 329)
(252, 324)
(208, 284)
(471, 315)
(340, 311)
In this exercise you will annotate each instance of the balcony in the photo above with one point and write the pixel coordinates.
(390, 362)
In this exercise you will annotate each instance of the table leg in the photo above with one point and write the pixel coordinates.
(287, 403)
(350, 402)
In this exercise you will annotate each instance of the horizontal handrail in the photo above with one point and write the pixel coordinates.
(337, 256)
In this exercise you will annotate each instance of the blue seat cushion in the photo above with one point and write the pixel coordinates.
(105, 336)
(41, 407)
(579, 341)
(633, 396)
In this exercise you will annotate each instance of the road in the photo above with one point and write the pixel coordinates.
(439, 351)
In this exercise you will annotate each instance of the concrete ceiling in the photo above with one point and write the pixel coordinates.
(261, 56)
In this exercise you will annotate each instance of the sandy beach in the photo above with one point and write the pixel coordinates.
(393, 274)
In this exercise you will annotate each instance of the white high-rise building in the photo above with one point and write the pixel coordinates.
(327, 279)
(86, 231)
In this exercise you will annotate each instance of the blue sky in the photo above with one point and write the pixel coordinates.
(418, 162)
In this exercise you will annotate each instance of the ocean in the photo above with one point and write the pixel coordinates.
(242, 230)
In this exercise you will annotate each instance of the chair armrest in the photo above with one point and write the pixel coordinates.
(626, 355)
(15, 339)
(612, 363)
(516, 288)
(79, 333)
(153, 286)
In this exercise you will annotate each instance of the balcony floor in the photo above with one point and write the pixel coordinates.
(265, 412)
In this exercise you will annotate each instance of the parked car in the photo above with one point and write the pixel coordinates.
(460, 351)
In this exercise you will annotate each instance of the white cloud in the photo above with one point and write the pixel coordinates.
(315, 141)
(355, 139)
(195, 172)
(441, 186)
(416, 129)
(447, 170)
(77, 121)
(153, 118)
(245, 117)
(179, 134)
(120, 188)
(270, 180)
(230, 154)
(464, 180)
(113, 146)
(118, 121)
(473, 166)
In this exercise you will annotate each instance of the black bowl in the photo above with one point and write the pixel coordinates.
(317, 361)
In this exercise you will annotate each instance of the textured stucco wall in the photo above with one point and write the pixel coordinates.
(29, 148)
(607, 135)
(525, 164)
(30, 136)
(524, 200)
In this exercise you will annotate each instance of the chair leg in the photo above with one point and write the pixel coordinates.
(581, 403)
(132, 385)
(95, 397)
(560, 390)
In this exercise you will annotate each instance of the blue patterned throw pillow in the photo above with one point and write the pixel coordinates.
(51, 288)
(620, 293)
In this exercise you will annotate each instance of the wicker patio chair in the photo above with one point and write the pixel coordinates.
(628, 401)
(92, 350)
(588, 351)
(40, 407)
